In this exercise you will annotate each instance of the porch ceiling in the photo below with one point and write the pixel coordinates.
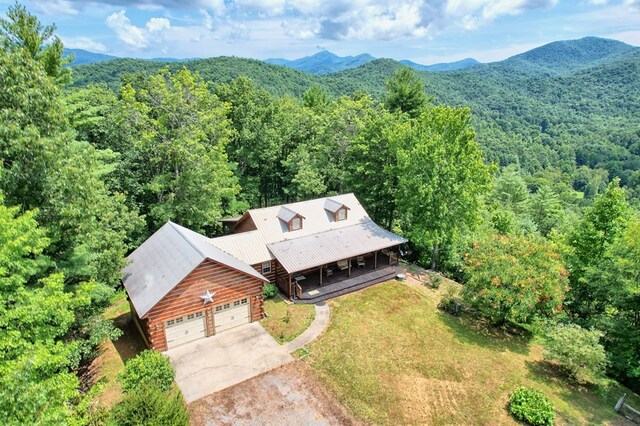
(307, 252)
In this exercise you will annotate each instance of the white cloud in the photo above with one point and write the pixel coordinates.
(55, 7)
(158, 24)
(207, 20)
(126, 31)
(598, 2)
(633, 4)
(83, 43)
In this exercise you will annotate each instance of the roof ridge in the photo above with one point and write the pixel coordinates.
(177, 227)
(366, 219)
(300, 202)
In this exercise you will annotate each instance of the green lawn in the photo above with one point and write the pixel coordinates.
(285, 321)
(393, 358)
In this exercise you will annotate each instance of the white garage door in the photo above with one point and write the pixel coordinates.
(184, 329)
(232, 314)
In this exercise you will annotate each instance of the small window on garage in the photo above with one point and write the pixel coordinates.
(170, 323)
(179, 320)
(226, 305)
(266, 267)
(218, 308)
(236, 303)
(244, 301)
(191, 316)
(199, 314)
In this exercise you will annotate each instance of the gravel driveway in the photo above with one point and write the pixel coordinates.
(288, 395)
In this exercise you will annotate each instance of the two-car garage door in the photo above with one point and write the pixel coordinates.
(190, 327)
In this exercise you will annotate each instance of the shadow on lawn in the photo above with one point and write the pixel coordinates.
(593, 402)
(130, 343)
(477, 331)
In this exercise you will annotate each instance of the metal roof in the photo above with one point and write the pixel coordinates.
(251, 246)
(326, 247)
(333, 205)
(286, 214)
(165, 259)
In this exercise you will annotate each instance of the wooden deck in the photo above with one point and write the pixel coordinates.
(339, 284)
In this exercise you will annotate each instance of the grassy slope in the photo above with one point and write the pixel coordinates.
(392, 357)
(106, 367)
(286, 321)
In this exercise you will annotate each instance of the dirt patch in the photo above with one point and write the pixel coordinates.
(289, 395)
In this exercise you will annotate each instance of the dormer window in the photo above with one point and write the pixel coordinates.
(291, 219)
(295, 224)
(336, 210)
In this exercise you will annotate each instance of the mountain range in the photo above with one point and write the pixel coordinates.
(321, 63)
(564, 103)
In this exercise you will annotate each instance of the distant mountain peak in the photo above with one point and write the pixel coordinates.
(569, 55)
(323, 62)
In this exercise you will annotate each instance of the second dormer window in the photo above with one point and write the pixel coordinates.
(341, 214)
(296, 223)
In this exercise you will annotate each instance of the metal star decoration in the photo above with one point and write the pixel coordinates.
(208, 297)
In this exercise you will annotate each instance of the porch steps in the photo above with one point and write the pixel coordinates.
(349, 285)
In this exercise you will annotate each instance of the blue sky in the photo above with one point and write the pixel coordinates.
(424, 31)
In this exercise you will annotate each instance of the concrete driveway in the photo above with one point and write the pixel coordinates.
(215, 363)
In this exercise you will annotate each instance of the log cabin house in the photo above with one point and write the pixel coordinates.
(183, 286)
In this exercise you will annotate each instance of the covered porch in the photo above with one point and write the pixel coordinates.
(322, 264)
(330, 281)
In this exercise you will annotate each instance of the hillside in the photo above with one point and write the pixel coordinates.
(563, 104)
(444, 66)
(570, 55)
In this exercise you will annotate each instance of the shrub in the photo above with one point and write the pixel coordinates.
(436, 280)
(151, 407)
(269, 290)
(577, 350)
(150, 369)
(532, 407)
(450, 301)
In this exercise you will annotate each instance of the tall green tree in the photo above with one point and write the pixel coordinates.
(22, 30)
(599, 228)
(36, 386)
(515, 279)
(441, 176)
(405, 93)
(177, 167)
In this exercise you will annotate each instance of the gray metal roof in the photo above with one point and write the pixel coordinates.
(333, 205)
(311, 251)
(251, 246)
(165, 259)
(286, 214)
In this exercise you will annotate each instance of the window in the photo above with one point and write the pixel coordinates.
(191, 316)
(341, 214)
(218, 308)
(179, 320)
(296, 223)
(244, 301)
(170, 323)
(266, 267)
(236, 303)
(199, 314)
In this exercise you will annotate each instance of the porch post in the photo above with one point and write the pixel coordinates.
(290, 291)
(321, 274)
(349, 273)
(375, 260)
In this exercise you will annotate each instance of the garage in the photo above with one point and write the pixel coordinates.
(185, 329)
(232, 314)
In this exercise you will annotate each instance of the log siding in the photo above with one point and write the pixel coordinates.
(227, 284)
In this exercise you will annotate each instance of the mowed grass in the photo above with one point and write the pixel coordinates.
(286, 321)
(393, 358)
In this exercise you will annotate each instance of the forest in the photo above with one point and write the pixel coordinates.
(522, 185)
